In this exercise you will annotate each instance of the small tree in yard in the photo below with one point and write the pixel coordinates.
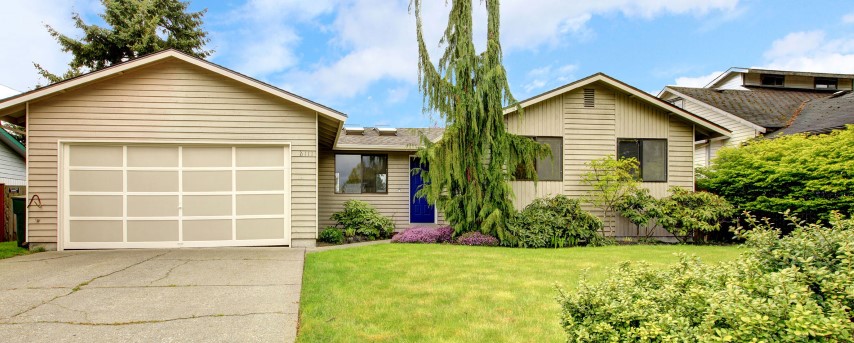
(611, 180)
(640, 208)
(469, 173)
(686, 212)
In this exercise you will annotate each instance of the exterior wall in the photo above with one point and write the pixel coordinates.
(734, 81)
(12, 167)
(172, 101)
(542, 119)
(796, 81)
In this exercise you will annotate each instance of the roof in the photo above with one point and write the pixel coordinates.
(406, 139)
(769, 108)
(822, 115)
(739, 70)
(649, 98)
(13, 143)
(16, 103)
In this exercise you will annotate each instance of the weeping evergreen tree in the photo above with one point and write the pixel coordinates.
(469, 168)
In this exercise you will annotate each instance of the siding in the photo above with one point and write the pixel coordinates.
(12, 167)
(734, 81)
(541, 119)
(796, 81)
(172, 101)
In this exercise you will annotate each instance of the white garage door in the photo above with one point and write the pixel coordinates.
(154, 196)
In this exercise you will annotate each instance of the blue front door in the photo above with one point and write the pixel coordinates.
(419, 210)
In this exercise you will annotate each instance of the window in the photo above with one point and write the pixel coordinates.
(772, 79)
(356, 174)
(826, 83)
(548, 168)
(652, 155)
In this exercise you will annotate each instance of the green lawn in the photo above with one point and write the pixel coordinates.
(9, 249)
(450, 293)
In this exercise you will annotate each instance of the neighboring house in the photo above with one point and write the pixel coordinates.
(12, 161)
(752, 102)
(598, 116)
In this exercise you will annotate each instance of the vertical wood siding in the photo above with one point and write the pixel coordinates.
(172, 101)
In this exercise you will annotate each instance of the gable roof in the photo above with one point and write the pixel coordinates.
(768, 108)
(17, 103)
(649, 98)
(406, 139)
(822, 115)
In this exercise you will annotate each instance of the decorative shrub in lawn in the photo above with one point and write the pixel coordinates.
(424, 235)
(477, 238)
(796, 288)
(331, 234)
(684, 212)
(361, 221)
(554, 222)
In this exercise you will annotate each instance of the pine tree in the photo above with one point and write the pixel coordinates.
(469, 168)
(135, 28)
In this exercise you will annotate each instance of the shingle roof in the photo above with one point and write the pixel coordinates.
(769, 108)
(822, 115)
(408, 138)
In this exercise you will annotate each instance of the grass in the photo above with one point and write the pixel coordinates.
(11, 249)
(450, 293)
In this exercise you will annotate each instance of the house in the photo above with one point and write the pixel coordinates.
(13, 182)
(597, 116)
(752, 102)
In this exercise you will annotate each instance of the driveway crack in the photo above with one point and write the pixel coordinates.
(168, 272)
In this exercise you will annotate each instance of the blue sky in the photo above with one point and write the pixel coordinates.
(359, 56)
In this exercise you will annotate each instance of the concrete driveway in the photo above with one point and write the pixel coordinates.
(181, 295)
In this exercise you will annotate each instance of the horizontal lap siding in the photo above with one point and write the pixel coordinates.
(172, 101)
(740, 131)
(12, 170)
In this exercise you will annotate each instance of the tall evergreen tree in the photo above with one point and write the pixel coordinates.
(469, 168)
(135, 28)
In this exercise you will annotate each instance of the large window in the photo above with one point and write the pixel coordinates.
(772, 79)
(361, 173)
(652, 155)
(826, 83)
(548, 168)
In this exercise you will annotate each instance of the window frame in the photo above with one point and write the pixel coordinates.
(361, 156)
(551, 159)
(640, 157)
(828, 79)
(782, 78)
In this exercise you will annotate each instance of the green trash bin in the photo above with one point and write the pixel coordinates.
(19, 208)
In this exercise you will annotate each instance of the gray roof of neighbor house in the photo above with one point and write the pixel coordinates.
(822, 115)
(372, 139)
(769, 108)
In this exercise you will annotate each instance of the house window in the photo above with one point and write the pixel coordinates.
(589, 97)
(356, 174)
(548, 168)
(652, 155)
(826, 83)
(772, 79)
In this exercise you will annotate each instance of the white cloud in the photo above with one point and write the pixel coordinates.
(548, 75)
(848, 18)
(811, 51)
(697, 81)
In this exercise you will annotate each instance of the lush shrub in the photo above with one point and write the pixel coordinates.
(361, 219)
(796, 288)
(424, 235)
(610, 180)
(477, 238)
(809, 175)
(331, 234)
(640, 208)
(685, 212)
(555, 222)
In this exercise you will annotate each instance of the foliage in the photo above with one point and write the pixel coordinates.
(11, 249)
(477, 238)
(554, 222)
(134, 29)
(640, 208)
(783, 289)
(424, 235)
(468, 173)
(809, 175)
(331, 234)
(610, 180)
(685, 212)
(362, 219)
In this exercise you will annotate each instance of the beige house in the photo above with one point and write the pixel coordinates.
(597, 116)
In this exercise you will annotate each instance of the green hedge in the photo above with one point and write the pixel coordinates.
(553, 222)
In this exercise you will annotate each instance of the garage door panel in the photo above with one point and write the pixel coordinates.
(260, 180)
(95, 180)
(207, 205)
(152, 205)
(260, 157)
(152, 230)
(207, 230)
(194, 157)
(152, 181)
(95, 205)
(151, 156)
(260, 204)
(207, 181)
(96, 156)
(96, 231)
(260, 229)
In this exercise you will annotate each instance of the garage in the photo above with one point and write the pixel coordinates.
(121, 195)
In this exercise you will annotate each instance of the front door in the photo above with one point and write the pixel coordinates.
(419, 210)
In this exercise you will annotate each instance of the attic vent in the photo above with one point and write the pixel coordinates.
(387, 131)
(589, 97)
(351, 131)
